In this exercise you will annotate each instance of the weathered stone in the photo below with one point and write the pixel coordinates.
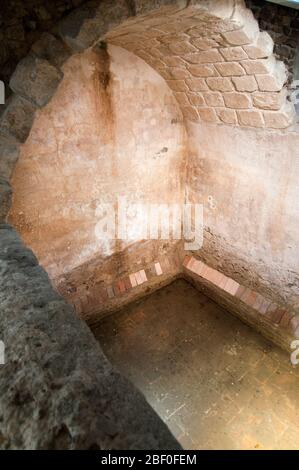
(241, 36)
(229, 69)
(190, 113)
(273, 81)
(5, 198)
(207, 114)
(280, 119)
(262, 48)
(204, 57)
(197, 84)
(213, 98)
(259, 66)
(36, 80)
(17, 117)
(182, 98)
(220, 84)
(173, 61)
(9, 154)
(165, 73)
(177, 85)
(247, 83)
(202, 70)
(179, 73)
(251, 118)
(196, 99)
(56, 377)
(49, 48)
(228, 116)
(180, 48)
(237, 100)
(270, 101)
(84, 26)
(203, 43)
(233, 53)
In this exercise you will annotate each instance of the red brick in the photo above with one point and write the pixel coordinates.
(277, 315)
(115, 288)
(128, 283)
(122, 286)
(186, 260)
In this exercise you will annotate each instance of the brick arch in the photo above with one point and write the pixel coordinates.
(220, 67)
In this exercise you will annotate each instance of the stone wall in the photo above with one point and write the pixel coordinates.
(222, 86)
(247, 181)
(21, 24)
(282, 23)
(84, 153)
(57, 389)
(220, 67)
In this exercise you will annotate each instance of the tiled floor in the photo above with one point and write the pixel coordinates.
(216, 383)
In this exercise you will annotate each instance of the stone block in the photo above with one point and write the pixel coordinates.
(207, 114)
(179, 73)
(259, 66)
(273, 81)
(270, 101)
(242, 36)
(213, 98)
(85, 25)
(281, 119)
(190, 113)
(17, 118)
(202, 70)
(250, 118)
(246, 83)
(237, 100)
(220, 84)
(49, 48)
(233, 53)
(196, 99)
(262, 48)
(197, 84)
(36, 80)
(204, 57)
(177, 85)
(173, 61)
(181, 47)
(182, 98)
(230, 69)
(227, 116)
(203, 44)
(165, 73)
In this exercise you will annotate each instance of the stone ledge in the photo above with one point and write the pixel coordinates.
(58, 391)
